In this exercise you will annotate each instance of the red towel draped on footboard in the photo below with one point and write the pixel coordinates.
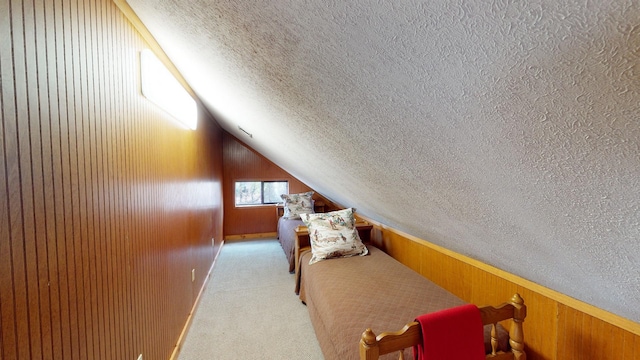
(451, 334)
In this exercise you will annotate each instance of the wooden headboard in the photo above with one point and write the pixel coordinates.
(318, 206)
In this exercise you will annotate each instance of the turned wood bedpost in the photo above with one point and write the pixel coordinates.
(369, 346)
(516, 334)
(494, 339)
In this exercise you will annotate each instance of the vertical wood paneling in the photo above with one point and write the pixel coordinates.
(112, 159)
(105, 207)
(630, 346)
(40, 144)
(53, 190)
(19, 183)
(100, 203)
(8, 345)
(68, 149)
(78, 159)
(59, 133)
(119, 351)
(553, 330)
(244, 164)
(586, 337)
(48, 306)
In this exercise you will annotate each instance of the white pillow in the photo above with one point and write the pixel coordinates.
(333, 235)
(296, 204)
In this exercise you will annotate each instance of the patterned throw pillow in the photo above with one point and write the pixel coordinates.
(333, 235)
(296, 204)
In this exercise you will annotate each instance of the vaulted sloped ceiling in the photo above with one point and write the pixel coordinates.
(508, 131)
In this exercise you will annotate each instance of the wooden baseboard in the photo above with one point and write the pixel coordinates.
(187, 325)
(250, 236)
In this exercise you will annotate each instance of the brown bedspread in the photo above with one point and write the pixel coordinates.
(287, 238)
(346, 296)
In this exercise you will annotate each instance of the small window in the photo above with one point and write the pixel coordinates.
(260, 192)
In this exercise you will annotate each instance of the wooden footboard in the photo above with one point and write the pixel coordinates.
(372, 346)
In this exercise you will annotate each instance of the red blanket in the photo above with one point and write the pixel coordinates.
(451, 334)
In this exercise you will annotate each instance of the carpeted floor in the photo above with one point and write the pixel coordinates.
(249, 309)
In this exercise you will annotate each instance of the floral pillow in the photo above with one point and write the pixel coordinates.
(333, 235)
(296, 204)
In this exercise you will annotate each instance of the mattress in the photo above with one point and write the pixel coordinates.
(348, 295)
(287, 238)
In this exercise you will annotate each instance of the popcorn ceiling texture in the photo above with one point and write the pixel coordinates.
(508, 130)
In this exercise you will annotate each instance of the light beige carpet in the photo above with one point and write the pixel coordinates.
(249, 309)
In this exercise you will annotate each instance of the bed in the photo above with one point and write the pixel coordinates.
(286, 237)
(301, 240)
(410, 336)
(376, 293)
(287, 224)
(290, 225)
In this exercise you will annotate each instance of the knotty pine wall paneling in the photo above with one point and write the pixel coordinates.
(106, 205)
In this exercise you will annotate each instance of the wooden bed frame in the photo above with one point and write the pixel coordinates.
(318, 206)
(372, 346)
(285, 231)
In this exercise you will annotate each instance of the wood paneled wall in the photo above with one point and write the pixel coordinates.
(556, 328)
(244, 164)
(106, 206)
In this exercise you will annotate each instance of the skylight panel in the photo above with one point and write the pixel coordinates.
(164, 90)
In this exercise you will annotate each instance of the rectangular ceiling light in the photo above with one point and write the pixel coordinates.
(163, 89)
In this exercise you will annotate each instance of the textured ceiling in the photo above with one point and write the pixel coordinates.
(506, 130)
